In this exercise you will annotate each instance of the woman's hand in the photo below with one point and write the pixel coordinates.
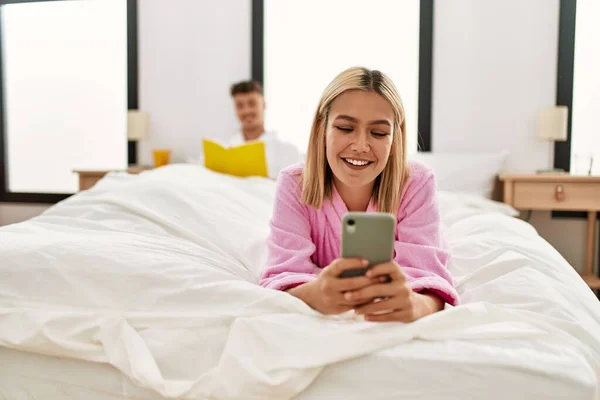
(326, 293)
(392, 301)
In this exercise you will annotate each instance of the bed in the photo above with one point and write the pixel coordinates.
(144, 287)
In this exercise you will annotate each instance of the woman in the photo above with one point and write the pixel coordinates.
(356, 161)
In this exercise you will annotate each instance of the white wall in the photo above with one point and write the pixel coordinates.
(11, 213)
(190, 52)
(568, 236)
(494, 66)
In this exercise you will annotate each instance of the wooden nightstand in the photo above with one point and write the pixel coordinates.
(88, 178)
(559, 192)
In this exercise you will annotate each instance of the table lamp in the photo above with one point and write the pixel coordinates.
(552, 127)
(138, 124)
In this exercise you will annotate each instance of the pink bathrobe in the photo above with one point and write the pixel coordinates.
(304, 240)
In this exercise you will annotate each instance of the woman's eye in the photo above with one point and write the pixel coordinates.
(379, 134)
(344, 128)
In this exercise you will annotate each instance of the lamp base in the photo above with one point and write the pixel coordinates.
(551, 171)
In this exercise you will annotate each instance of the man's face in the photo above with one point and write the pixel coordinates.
(250, 108)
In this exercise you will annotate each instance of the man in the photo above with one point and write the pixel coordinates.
(250, 109)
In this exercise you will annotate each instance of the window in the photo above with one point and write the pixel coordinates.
(585, 136)
(299, 47)
(64, 94)
(579, 85)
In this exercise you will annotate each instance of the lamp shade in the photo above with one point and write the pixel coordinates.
(138, 124)
(552, 123)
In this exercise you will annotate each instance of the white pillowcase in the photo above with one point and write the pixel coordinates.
(473, 173)
(452, 203)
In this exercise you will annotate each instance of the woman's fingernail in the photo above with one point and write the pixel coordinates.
(365, 262)
(348, 296)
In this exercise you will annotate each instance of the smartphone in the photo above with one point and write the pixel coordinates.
(367, 235)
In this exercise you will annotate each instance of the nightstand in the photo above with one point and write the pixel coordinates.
(88, 178)
(554, 192)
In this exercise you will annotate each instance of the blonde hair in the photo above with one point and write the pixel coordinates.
(317, 175)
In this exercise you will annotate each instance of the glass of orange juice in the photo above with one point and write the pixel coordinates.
(161, 157)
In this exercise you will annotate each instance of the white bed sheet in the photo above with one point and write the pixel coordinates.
(27, 375)
(155, 275)
(36, 376)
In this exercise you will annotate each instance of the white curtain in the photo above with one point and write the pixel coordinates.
(65, 82)
(308, 42)
(585, 128)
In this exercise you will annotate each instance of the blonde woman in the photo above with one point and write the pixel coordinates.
(356, 162)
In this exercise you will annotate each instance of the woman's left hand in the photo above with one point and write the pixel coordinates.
(396, 300)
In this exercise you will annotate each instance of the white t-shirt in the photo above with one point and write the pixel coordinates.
(279, 153)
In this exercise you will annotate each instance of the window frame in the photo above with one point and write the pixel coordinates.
(564, 76)
(424, 139)
(132, 104)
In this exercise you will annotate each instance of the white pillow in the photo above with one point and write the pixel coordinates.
(452, 201)
(473, 173)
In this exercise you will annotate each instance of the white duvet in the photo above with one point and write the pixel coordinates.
(156, 275)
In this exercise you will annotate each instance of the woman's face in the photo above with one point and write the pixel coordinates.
(358, 137)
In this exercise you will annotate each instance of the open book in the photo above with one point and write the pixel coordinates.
(248, 159)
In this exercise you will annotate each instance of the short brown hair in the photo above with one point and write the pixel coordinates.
(246, 87)
(317, 175)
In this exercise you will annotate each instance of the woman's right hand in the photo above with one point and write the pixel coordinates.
(326, 293)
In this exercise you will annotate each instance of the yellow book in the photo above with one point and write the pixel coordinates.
(248, 159)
